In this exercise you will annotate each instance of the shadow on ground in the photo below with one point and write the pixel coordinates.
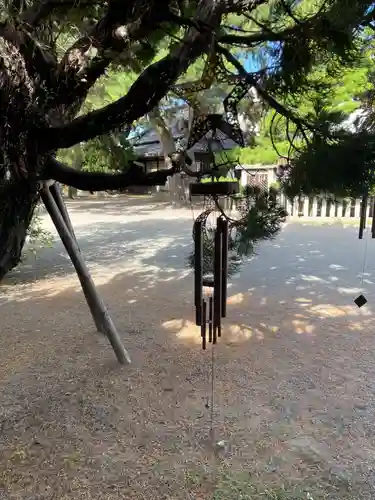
(294, 375)
(119, 245)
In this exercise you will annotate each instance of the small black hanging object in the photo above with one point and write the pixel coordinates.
(360, 301)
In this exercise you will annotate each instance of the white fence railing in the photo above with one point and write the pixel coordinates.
(319, 206)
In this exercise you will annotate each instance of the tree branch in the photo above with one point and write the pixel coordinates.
(288, 9)
(97, 181)
(301, 27)
(117, 30)
(39, 62)
(248, 40)
(41, 9)
(150, 87)
(277, 106)
(240, 6)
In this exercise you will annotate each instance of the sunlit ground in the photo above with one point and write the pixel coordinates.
(293, 370)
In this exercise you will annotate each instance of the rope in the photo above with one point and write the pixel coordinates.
(212, 393)
(364, 260)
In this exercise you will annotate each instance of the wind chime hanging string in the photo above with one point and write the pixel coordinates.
(363, 215)
(210, 295)
(210, 288)
(361, 300)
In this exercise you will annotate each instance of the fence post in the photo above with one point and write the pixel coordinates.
(306, 206)
(314, 212)
(357, 209)
(324, 207)
(296, 206)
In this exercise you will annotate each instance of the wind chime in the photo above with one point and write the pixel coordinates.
(210, 283)
(210, 290)
(210, 293)
(361, 300)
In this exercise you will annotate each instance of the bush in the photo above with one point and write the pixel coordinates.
(37, 237)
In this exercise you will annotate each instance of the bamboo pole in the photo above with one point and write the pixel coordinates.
(59, 200)
(95, 303)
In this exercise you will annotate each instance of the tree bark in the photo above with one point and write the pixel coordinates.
(41, 95)
(15, 217)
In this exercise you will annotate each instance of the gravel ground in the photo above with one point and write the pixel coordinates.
(294, 371)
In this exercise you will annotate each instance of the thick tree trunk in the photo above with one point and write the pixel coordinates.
(18, 156)
(16, 212)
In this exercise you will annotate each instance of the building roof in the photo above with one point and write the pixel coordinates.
(148, 145)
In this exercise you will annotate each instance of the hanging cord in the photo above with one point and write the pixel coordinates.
(212, 393)
(361, 299)
(364, 260)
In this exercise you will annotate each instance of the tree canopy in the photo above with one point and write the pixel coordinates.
(343, 95)
(55, 55)
(295, 37)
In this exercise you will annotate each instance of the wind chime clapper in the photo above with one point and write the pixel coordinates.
(211, 289)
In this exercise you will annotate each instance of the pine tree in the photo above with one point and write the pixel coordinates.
(52, 52)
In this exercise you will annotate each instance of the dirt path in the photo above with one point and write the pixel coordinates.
(294, 371)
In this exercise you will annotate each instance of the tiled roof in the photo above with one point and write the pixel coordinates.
(149, 144)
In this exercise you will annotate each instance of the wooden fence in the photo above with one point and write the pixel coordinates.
(319, 206)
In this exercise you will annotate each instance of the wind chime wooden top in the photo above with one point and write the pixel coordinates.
(214, 189)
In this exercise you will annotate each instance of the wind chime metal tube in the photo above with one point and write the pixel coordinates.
(198, 277)
(210, 318)
(373, 217)
(218, 261)
(224, 264)
(362, 221)
(204, 323)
